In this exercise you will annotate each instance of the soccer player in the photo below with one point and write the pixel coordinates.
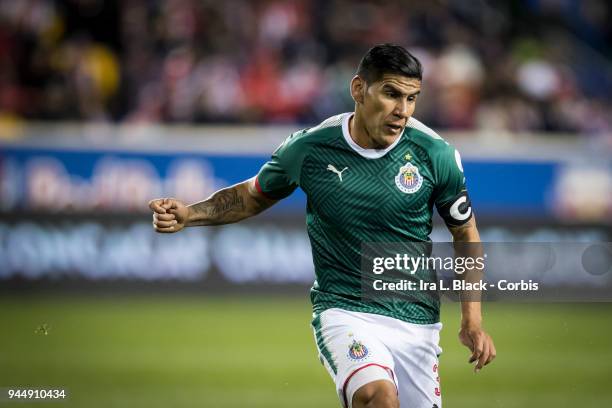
(372, 175)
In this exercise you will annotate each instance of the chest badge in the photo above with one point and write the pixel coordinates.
(408, 179)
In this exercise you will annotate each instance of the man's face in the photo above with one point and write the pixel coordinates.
(386, 106)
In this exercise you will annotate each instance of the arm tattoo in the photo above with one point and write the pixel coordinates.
(217, 207)
(224, 201)
(229, 205)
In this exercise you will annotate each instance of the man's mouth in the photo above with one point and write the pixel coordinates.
(395, 128)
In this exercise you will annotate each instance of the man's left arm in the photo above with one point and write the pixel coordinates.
(466, 241)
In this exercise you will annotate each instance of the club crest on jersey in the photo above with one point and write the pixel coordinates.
(357, 351)
(408, 179)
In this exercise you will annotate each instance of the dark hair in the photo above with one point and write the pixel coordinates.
(388, 59)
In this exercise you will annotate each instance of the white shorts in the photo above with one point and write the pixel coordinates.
(357, 348)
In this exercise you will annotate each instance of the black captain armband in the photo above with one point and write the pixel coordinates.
(457, 211)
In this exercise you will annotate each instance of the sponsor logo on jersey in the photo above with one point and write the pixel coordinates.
(408, 179)
(357, 351)
(333, 169)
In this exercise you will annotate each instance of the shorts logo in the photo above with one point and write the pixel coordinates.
(357, 351)
(408, 179)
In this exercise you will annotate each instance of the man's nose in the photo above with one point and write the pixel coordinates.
(401, 109)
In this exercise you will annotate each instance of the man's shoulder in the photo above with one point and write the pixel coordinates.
(434, 145)
(298, 145)
(424, 135)
(332, 124)
(329, 129)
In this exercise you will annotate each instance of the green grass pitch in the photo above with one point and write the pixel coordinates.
(171, 351)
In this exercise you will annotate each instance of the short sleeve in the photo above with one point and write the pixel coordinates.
(451, 196)
(279, 177)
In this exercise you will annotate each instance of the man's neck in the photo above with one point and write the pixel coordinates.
(359, 133)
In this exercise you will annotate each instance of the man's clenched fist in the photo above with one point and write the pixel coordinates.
(169, 214)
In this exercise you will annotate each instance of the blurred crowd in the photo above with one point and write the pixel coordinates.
(533, 65)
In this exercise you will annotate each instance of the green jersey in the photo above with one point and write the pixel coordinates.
(357, 195)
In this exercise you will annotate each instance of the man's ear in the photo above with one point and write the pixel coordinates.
(358, 88)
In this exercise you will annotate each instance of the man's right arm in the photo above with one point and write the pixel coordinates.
(225, 206)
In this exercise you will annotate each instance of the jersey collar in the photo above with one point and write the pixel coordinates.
(367, 153)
